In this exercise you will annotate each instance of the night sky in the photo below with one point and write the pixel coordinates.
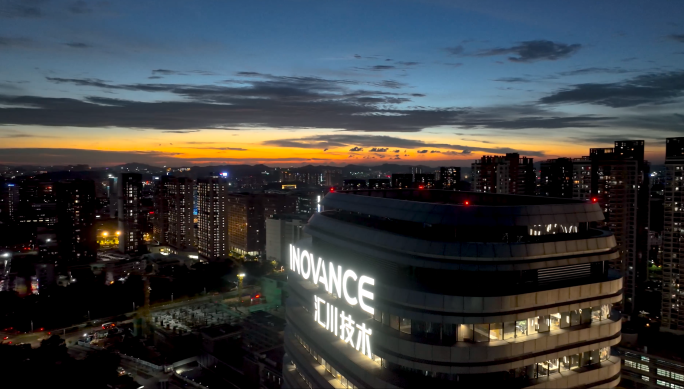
(172, 82)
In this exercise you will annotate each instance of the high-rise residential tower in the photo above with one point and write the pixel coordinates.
(173, 218)
(509, 174)
(449, 177)
(130, 213)
(430, 289)
(246, 223)
(556, 178)
(212, 215)
(619, 183)
(672, 309)
(76, 232)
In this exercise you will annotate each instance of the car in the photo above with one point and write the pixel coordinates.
(106, 326)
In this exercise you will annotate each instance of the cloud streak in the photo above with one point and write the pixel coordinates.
(531, 51)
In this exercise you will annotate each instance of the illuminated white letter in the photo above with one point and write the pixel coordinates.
(324, 278)
(364, 293)
(317, 270)
(304, 258)
(335, 280)
(348, 274)
(295, 260)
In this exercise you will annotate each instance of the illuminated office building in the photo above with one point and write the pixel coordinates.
(431, 288)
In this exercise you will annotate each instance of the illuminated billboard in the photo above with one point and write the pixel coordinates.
(345, 285)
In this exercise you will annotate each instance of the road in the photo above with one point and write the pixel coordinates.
(71, 337)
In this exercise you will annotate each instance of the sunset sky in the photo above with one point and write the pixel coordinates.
(291, 82)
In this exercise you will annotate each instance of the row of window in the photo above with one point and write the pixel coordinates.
(448, 334)
(336, 374)
(533, 371)
(667, 384)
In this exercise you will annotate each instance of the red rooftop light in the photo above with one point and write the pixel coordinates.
(467, 202)
(594, 200)
(332, 189)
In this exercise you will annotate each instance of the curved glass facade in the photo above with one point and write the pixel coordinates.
(374, 304)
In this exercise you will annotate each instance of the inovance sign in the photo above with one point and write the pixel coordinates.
(335, 282)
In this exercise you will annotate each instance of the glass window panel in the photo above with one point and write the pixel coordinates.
(586, 358)
(555, 321)
(509, 330)
(585, 315)
(574, 318)
(565, 363)
(418, 328)
(531, 371)
(482, 332)
(448, 334)
(553, 366)
(433, 330)
(544, 323)
(465, 333)
(521, 328)
(596, 314)
(386, 318)
(605, 311)
(532, 325)
(565, 320)
(378, 315)
(496, 331)
(405, 325)
(574, 361)
(604, 353)
(394, 322)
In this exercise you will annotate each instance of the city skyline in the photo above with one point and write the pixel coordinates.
(420, 82)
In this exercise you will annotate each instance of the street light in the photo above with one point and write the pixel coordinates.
(105, 233)
(240, 277)
(118, 233)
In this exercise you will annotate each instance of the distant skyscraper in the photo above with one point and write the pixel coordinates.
(113, 194)
(173, 206)
(449, 177)
(672, 309)
(246, 228)
(130, 213)
(619, 183)
(281, 231)
(36, 203)
(9, 201)
(212, 234)
(556, 178)
(509, 174)
(76, 232)
(581, 178)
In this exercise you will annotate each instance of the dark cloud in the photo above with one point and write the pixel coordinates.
(180, 131)
(390, 84)
(278, 102)
(167, 72)
(80, 7)
(453, 64)
(530, 51)
(154, 77)
(396, 151)
(435, 151)
(455, 50)
(422, 151)
(377, 68)
(677, 37)
(344, 140)
(356, 149)
(656, 88)
(78, 45)
(581, 121)
(6, 41)
(218, 148)
(595, 70)
(379, 150)
(21, 9)
(513, 79)
(407, 63)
